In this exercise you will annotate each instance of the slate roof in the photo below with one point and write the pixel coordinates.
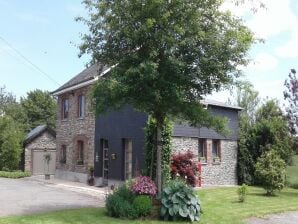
(86, 75)
(219, 104)
(34, 133)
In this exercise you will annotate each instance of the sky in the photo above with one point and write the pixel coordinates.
(45, 34)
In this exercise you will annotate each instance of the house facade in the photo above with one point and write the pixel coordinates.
(113, 143)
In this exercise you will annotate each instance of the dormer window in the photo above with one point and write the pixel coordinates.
(65, 108)
(81, 106)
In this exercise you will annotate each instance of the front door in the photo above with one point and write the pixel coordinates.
(105, 162)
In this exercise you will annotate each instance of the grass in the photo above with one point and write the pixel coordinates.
(292, 173)
(14, 174)
(219, 206)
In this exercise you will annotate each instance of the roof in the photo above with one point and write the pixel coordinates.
(220, 104)
(86, 75)
(34, 133)
(92, 73)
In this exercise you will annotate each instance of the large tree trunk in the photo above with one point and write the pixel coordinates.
(158, 157)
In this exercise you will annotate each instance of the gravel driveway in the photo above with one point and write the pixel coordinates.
(282, 218)
(22, 196)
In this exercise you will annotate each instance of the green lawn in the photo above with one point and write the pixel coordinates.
(292, 173)
(219, 205)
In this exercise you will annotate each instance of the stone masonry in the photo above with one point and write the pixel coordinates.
(44, 141)
(72, 130)
(213, 173)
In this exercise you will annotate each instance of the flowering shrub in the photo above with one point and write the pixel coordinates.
(144, 186)
(185, 166)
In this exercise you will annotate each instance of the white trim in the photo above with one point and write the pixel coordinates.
(80, 85)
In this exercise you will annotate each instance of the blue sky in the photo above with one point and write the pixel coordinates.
(45, 32)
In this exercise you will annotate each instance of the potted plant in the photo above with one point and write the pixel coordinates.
(202, 159)
(91, 176)
(47, 159)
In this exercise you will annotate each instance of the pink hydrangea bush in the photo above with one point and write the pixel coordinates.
(144, 186)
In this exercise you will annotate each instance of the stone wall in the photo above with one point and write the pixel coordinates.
(213, 173)
(74, 129)
(44, 141)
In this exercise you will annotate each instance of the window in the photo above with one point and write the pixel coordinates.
(65, 108)
(63, 154)
(128, 159)
(202, 150)
(216, 150)
(81, 106)
(80, 160)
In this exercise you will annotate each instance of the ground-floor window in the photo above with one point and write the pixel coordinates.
(127, 159)
(202, 150)
(63, 154)
(80, 158)
(216, 151)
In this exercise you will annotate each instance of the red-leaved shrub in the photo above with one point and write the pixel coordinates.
(185, 165)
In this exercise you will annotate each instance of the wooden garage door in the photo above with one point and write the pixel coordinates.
(40, 166)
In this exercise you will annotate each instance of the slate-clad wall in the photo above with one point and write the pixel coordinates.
(230, 114)
(115, 126)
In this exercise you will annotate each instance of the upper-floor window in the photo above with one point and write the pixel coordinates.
(63, 154)
(65, 108)
(80, 152)
(216, 154)
(202, 150)
(81, 106)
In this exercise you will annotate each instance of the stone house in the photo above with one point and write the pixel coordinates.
(113, 143)
(38, 142)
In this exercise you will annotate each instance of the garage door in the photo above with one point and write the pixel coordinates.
(39, 164)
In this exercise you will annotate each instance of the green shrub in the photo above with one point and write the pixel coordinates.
(270, 170)
(242, 192)
(120, 203)
(179, 202)
(143, 205)
(125, 193)
(14, 174)
(119, 208)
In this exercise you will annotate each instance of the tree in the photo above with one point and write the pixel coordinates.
(246, 97)
(40, 108)
(6, 99)
(269, 131)
(291, 95)
(11, 137)
(271, 170)
(164, 57)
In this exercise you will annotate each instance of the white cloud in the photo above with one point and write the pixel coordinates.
(27, 17)
(263, 62)
(289, 49)
(275, 19)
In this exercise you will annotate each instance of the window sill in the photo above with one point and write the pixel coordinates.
(64, 120)
(216, 163)
(81, 118)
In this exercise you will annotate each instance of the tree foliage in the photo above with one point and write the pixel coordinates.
(271, 171)
(270, 131)
(166, 55)
(291, 96)
(11, 137)
(40, 108)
